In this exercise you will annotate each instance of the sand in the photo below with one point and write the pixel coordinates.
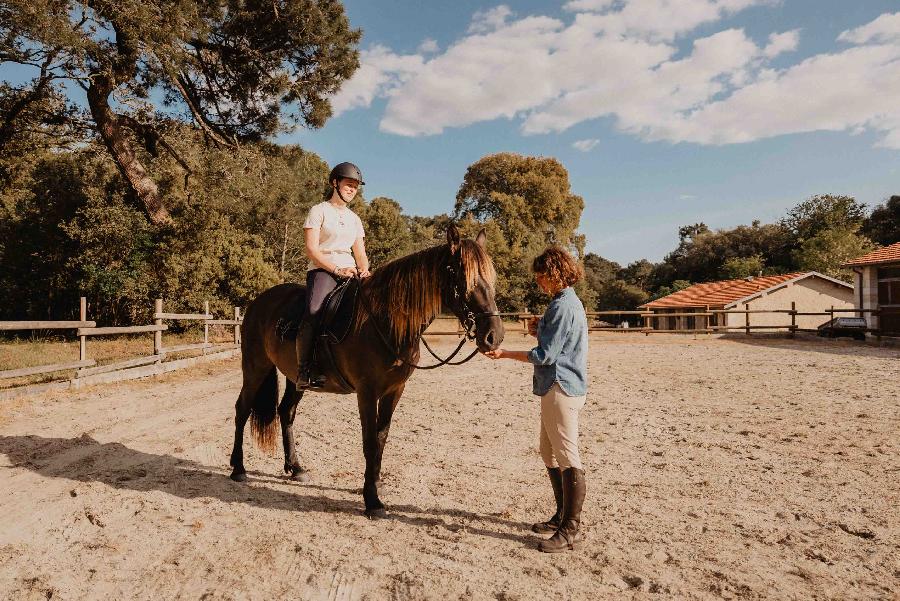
(716, 468)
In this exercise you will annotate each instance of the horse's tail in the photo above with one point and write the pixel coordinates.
(263, 422)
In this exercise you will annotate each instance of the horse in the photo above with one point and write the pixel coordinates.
(379, 354)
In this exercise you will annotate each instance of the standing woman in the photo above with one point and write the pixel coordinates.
(336, 248)
(560, 379)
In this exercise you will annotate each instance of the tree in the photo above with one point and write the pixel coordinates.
(528, 196)
(829, 249)
(667, 290)
(637, 273)
(620, 295)
(387, 231)
(599, 271)
(528, 203)
(824, 212)
(234, 69)
(883, 225)
(742, 267)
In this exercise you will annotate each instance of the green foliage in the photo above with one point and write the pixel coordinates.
(883, 225)
(388, 234)
(742, 267)
(618, 294)
(528, 202)
(824, 212)
(828, 249)
(238, 71)
(671, 289)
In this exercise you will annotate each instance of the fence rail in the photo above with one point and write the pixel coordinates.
(88, 368)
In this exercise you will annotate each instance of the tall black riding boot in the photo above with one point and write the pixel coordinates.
(553, 523)
(308, 373)
(568, 535)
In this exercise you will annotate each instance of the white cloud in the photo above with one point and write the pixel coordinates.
(585, 145)
(622, 64)
(780, 43)
(428, 46)
(588, 5)
(380, 73)
(885, 30)
(485, 21)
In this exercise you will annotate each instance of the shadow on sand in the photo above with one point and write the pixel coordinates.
(816, 344)
(84, 459)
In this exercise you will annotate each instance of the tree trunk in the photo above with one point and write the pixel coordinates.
(115, 137)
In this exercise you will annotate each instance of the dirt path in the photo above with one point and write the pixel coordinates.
(716, 468)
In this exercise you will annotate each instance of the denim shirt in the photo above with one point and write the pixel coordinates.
(561, 353)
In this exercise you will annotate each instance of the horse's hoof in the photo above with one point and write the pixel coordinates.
(239, 476)
(377, 514)
(298, 474)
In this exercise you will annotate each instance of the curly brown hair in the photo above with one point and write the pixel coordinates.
(559, 267)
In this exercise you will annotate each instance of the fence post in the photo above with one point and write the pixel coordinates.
(82, 316)
(747, 318)
(237, 327)
(157, 336)
(831, 322)
(205, 325)
(793, 318)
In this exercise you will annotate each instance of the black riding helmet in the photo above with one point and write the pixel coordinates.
(346, 171)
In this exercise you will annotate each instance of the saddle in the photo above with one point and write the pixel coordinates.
(335, 321)
(335, 318)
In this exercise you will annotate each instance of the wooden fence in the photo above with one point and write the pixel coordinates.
(87, 370)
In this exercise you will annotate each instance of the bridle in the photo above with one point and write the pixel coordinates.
(468, 322)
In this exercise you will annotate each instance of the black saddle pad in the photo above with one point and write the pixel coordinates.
(339, 311)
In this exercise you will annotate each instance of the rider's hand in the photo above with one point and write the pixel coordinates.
(345, 272)
(364, 273)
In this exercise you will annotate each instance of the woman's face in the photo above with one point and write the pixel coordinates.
(348, 188)
(543, 282)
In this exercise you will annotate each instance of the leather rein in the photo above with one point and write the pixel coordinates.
(468, 323)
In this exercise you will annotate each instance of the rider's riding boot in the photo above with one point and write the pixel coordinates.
(308, 373)
(553, 523)
(568, 535)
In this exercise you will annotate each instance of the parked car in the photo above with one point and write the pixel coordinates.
(844, 326)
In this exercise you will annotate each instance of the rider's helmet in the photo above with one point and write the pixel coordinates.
(345, 170)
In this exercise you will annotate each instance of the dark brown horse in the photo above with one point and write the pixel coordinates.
(377, 356)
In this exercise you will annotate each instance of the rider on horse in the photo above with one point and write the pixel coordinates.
(336, 249)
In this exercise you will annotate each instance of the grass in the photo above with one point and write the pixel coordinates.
(49, 350)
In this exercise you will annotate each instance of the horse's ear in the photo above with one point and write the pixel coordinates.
(481, 238)
(453, 238)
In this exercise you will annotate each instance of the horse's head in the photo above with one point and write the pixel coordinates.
(468, 290)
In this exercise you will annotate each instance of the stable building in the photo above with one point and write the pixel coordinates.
(878, 288)
(804, 292)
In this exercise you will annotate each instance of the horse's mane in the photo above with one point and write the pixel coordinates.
(408, 289)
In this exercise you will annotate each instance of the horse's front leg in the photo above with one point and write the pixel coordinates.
(368, 419)
(287, 410)
(386, 406)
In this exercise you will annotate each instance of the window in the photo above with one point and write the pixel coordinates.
(889, 286)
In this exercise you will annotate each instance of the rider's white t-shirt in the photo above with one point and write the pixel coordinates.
(338, 230)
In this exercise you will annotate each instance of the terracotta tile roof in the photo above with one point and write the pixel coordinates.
(719, 294)
(888, 254)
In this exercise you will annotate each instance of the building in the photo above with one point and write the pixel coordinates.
(878, 287)
(809, 292)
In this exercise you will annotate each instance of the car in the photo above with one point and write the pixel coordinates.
(844, 326)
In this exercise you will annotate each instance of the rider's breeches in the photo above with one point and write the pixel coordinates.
(319, 283)
(559, 428)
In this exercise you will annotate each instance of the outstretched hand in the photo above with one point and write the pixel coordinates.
(494, 354)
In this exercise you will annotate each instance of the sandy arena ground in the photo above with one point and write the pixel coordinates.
(716, 469)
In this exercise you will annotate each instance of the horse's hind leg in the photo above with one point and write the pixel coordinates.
(287, 409)
(254, 377)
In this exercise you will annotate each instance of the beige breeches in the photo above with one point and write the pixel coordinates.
(559, 428)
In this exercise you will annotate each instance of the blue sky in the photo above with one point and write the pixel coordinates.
(722, 111)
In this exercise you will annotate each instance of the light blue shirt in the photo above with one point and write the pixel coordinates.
(561, 353)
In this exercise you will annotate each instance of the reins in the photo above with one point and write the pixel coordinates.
(468, 324)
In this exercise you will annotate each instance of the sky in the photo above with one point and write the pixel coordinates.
(664, 112)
